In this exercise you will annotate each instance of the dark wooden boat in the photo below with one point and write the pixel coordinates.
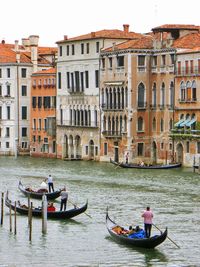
(38, 195)
(136, 166)
(151, 242)
(37, 212)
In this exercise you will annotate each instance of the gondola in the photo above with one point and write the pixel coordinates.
(37, 212)
(136, 166)
(37, 195)
(149, 243)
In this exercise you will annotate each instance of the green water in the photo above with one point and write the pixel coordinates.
(172, 194)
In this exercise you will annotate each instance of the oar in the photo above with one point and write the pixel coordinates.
(167, 236)
(78, 207)
(118, 164)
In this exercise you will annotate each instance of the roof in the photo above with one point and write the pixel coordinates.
(105, 34)
(189, 41)
(169, 27)
(47, 71)
(145, 42)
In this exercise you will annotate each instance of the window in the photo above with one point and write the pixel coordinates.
(186, 67)
(60, 51)
(7, 144)
(0, 112)
(105, 149)
(34, 124)
(8, 112)
(73, 50)
(8, 90)
(47, 102)
(24, 90)
(140, 149)
(140, 124)
(172, 56)
(162, 145)
(86, 79)
(24, 145)
(96, 78)
(120, 61)
(88, 48)
(183, 89)
(59, 80)
(141, 61)
(0, 90)
(110, 62)
(67, 50)
(198, 147)
(24, 132)
(154, 61)
(162, 100)
(34, 102)
(23, 72)
(154, 95)
(7, 132)
(187, 147)
(77, 81)
(82, 81)
(141, 95)
(39, 124)
(96, 150)
(171, 92)
(54, 146)
(97, 47)
(161, 125)
(8, 72)
(163, 60)
(39, 101)
(82, 48)
(154, 124)
(194, 91)
(68, 80)
(24, 113)
(179, 67)
(103, 63)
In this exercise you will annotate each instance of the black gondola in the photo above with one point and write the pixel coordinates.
(151, 242)
(38, 195)
(37, 212)
(136, 166)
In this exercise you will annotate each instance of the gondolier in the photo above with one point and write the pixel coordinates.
(64, 197)
(50, 183)
(148, 216)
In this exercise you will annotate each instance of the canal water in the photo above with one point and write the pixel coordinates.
(173, 195)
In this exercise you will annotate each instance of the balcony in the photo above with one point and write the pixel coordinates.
(75, 91)
(153, 106)
(141, 105)
(186, 71)
(185, 134)
(113, 134)
(113, 107)
(191, 100)
(77, 124)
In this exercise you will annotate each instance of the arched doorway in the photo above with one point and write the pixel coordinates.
(71, 148)
(154, 152)
(78, 154)
(65, 147)
(91, 149)
(179, 153)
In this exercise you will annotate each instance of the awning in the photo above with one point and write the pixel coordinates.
(184, 123)
(190, 122)
(178, 123)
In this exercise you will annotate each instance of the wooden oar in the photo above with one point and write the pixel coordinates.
(167, 236)
(118, 164)
(78, 207)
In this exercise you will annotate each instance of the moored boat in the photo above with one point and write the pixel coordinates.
(27, 191)
(137, 166)
(37, 212)
(137, 242)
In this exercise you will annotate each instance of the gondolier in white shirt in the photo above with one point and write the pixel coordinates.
(50, 183)
(64, 197)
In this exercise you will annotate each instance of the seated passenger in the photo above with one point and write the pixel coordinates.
(51, 207)
(22, 205)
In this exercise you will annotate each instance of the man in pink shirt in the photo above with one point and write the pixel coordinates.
(147, 215)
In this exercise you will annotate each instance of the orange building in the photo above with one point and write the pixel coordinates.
(43, 114)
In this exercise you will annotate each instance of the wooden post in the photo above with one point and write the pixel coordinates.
(30, 221)
(199, 165)
(2, 202)
(15, 218)
(10, 218)
(44, 214)
(29, 206)
(166, 155)
(194, 164)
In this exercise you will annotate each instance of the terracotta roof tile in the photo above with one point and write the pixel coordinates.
(176, 26)
(145, 42)
(107, 34)
(47, 71)
(188, 41)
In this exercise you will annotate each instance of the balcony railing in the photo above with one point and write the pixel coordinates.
(192, 100)
(185, 133)
(141, 105)
(113, 107)
(113, 134)
(188, 71)
(82, 124)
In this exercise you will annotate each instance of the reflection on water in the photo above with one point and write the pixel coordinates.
(82, 241)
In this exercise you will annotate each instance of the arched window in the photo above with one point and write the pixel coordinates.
(154, 124)
(154, 95)
(161, 125)
(110, 98)
(126, 97)
(109, 124)
(140, 124)
(171, 94)
(141, 95)
(115, 98)
(162, 95)
(122, 90)
(102, 98)
(104, 124)
(188, 91)
(182, 87)
(170, 124)
(95, 117)
(113, 126)
(125, 123)
(194, 91)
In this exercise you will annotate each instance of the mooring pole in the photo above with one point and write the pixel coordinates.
(30, 221)
(15, 230)
(44, 214)
(2, 202)
(10, 218)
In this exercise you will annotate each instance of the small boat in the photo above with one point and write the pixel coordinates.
(37, 212)
(136, 166)
(38, 195)
(138, 242)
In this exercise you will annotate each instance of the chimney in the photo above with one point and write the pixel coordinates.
(34, 39)
(113, 47)
(65, 37)
(18, 57)
(16, 45)
(3, 41)
(25, 42)
(126, 28)
(93, 34)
